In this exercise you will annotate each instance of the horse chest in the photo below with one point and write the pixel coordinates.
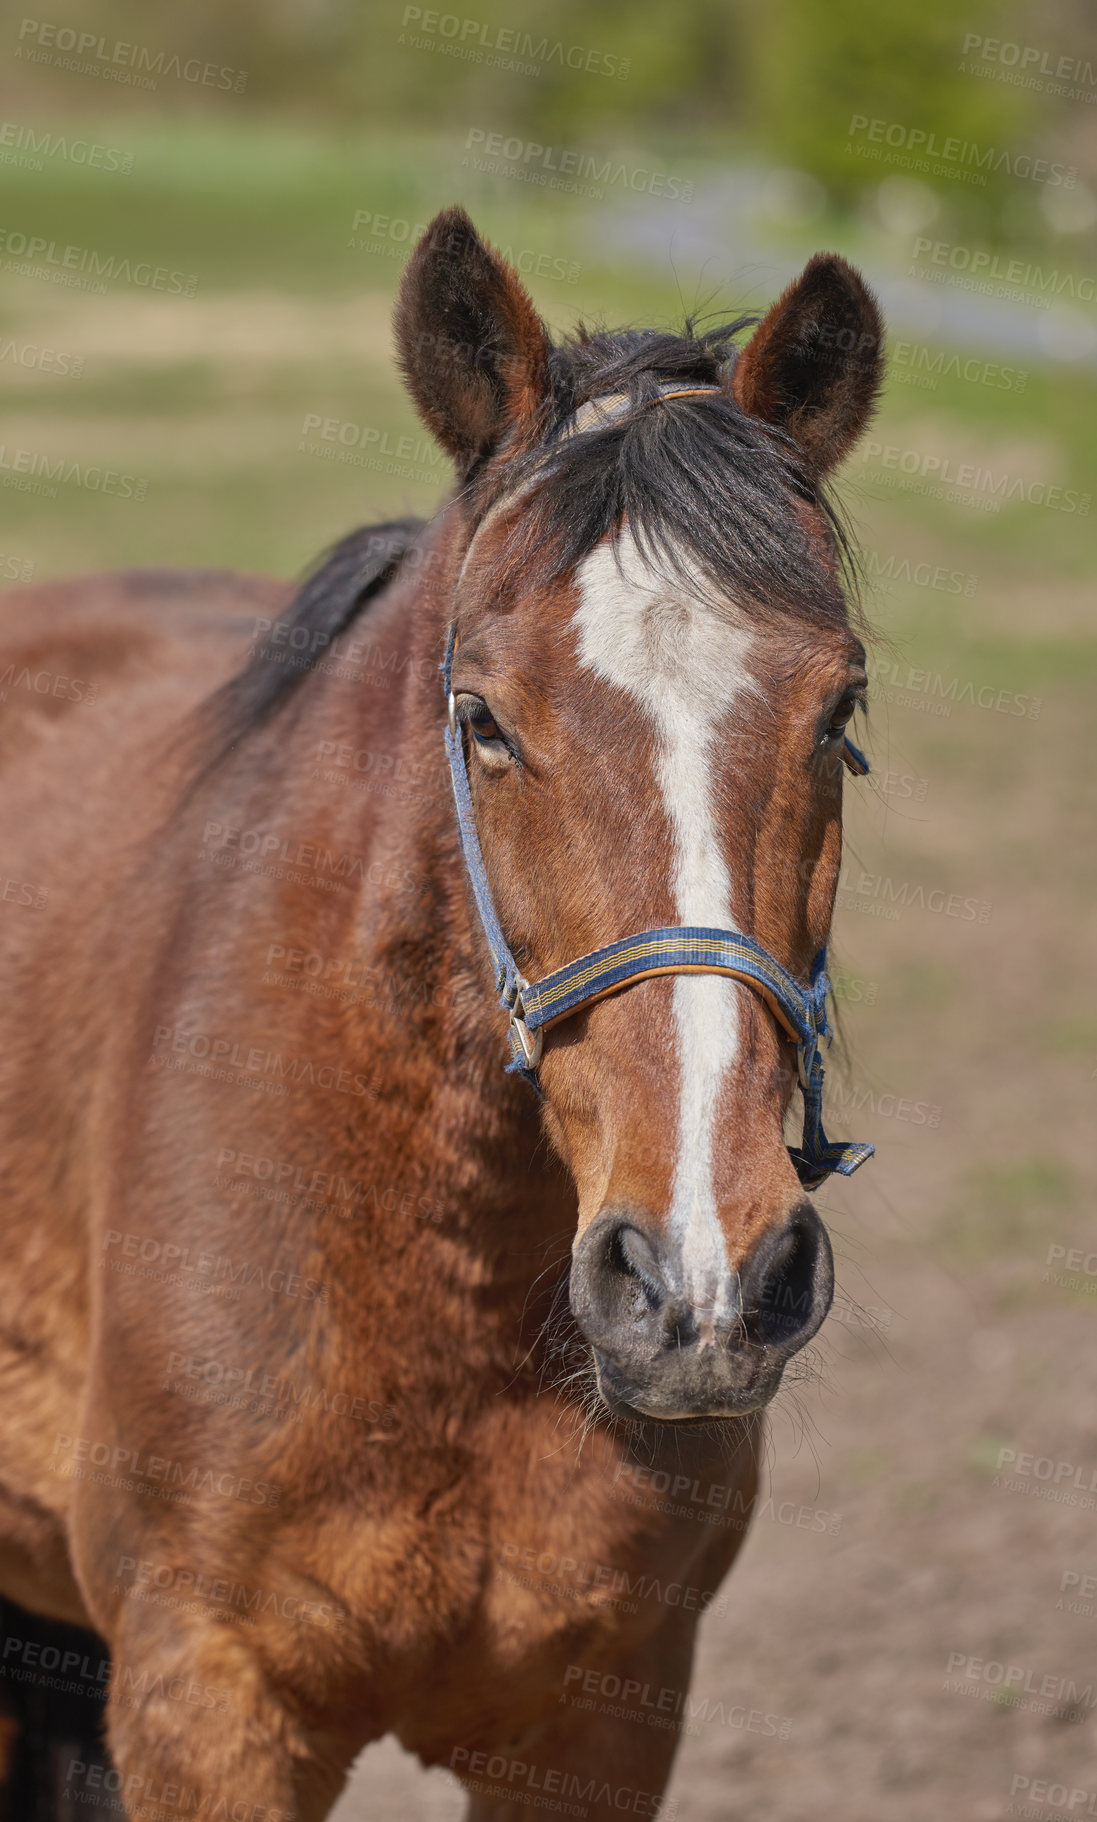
(528, 1564)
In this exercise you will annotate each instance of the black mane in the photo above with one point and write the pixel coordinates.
(344, 581)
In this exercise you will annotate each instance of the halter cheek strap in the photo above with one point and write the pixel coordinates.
(533, 1006)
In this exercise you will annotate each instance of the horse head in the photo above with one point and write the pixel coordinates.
(652, 670)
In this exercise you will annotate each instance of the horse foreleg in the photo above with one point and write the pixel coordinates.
(197, 1728)
(607, 1749)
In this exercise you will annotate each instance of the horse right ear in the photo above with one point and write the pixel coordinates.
(471, 346)
(814, 365)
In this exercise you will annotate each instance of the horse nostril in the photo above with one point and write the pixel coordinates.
(790, 1283)
(618, 1286)
(632, 1253)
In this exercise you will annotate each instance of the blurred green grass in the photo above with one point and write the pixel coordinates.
(258, 211)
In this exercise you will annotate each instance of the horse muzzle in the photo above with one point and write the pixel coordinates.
(663, 1354)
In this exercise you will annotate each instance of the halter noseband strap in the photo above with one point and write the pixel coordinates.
(533, 1007)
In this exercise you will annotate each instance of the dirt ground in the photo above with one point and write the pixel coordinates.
(913, 1600)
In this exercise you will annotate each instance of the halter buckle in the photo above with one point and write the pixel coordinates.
(451, 708)
(531, 1043)
(807, 1054)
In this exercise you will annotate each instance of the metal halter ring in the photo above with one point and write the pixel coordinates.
(531, 1043)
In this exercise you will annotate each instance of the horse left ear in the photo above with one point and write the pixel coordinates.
(813, 366)
(473, 350)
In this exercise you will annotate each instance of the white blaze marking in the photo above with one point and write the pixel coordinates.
(685, 665)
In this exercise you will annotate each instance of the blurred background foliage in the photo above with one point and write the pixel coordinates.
(305, 171)
(782, 80)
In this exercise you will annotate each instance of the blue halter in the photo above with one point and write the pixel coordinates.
(531, 1007)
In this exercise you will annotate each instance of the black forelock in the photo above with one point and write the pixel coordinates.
(706, 489)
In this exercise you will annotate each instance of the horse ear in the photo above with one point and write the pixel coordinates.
(813, 366)
(471, 346)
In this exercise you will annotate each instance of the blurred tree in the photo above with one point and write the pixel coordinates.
(819, 68)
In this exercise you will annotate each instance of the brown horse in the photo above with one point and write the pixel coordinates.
(348, 1386)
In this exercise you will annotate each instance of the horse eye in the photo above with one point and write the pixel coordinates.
(483, 726)
(841, 717)
(479, 719)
